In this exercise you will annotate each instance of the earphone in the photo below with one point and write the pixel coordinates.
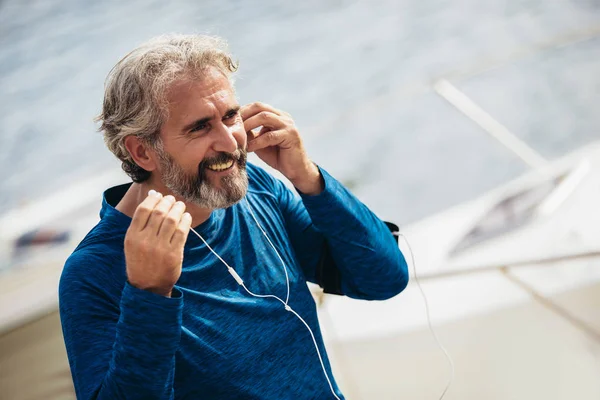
(286, 306)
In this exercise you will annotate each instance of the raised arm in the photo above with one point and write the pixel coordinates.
(340, 243)
(121, 341)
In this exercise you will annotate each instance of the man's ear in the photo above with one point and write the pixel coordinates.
(140, 153)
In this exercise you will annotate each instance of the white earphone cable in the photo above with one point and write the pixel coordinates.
(437, 340)
(287, 279)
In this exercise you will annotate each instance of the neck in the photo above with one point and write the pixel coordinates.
(139, 191)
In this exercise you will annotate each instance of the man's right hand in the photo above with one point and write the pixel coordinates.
(154, 243)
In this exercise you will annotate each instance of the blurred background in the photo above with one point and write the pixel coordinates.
(431, 111)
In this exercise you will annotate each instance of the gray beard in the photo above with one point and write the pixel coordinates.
(197, 188)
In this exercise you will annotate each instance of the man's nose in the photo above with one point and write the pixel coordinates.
(224, 139)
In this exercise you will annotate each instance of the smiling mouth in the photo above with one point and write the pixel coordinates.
(220, 166)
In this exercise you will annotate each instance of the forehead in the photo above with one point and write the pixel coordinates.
(195, 98)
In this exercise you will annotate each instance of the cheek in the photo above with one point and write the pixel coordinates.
(191, 155)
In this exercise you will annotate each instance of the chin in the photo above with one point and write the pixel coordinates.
(230, 190)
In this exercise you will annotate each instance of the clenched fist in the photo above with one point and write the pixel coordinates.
(154, 243)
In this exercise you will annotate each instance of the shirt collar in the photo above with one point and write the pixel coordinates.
(109, 213)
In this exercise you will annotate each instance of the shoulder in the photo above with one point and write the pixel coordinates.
(96, 265)
(261, 181)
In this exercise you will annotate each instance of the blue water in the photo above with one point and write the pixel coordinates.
(356, 75)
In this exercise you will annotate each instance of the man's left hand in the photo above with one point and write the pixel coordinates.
(278, 143)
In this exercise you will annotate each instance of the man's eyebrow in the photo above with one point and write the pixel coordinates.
(233, 110)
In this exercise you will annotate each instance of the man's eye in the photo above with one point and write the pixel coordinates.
(198, 127)
(231, 115)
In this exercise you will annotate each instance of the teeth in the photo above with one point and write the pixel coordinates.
(221, 167)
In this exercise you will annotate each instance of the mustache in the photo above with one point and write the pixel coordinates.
(238, 156)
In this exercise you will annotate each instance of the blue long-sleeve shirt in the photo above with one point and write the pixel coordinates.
(211, 340)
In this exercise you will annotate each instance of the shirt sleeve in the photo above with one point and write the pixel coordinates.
(342, 245)
(117, 350)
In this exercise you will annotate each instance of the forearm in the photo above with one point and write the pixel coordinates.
(133, 358)
(147, 337)
(360, 245)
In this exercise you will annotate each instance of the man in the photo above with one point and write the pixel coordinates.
(148, 310)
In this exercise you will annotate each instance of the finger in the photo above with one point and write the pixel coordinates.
(158, 214)
(252, 109)
(253, 135)
(265, 119)
(268, 139)
(181, 232)
(144, 210)
(170, 222)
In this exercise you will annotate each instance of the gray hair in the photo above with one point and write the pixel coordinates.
(135, 89)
